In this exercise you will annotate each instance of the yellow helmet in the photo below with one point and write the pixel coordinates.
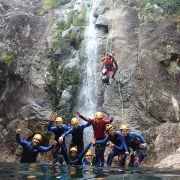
(125, 127)
(74, 121)
(74, 149)
(59, 119)
(89, 153)
(98, 115)
(37, 136)
(109, 127)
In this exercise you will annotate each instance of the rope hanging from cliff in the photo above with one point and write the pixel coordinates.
(121, 99)
(107, 41)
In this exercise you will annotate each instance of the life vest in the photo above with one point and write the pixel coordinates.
(108, 62)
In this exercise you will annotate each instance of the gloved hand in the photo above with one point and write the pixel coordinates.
(78, 113)
(60, 140)
(111, 118)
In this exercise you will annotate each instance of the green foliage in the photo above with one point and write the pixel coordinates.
(59, 51)
(80, 20)
(61, 79)
(6, 59)
(69, 20)
(170, 7)
(172, 70)
(60, 47)
(27, 1)
(49, 4)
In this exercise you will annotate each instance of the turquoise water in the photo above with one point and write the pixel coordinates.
(9, 171)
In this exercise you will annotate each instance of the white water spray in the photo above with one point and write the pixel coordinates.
(88, 97)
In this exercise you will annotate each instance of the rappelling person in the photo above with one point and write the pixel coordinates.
(58, 130)
(110, 64)
(31, 149)
(75, 157)
(98, 124)
(117, 143)
(136, 144)
(77, 134)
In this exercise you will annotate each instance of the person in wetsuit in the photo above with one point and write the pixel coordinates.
(98, 124)
(58, 130)
(135, 143)
(89, 159)
(118, 145)
(75, 157)
(31, 149)
(77, 134)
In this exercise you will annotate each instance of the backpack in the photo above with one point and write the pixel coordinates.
(105, 79)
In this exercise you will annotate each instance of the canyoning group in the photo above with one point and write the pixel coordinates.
(123, 143)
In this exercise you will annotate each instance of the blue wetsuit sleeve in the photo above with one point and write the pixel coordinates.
(103, 141)
(65, 127)
(45, 149)
(81, 155)
(20, 141)
(138, 136)
(86, 125)
(70, 131)
(51, 127)
(123, 143)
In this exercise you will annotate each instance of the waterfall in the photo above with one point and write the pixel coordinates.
(88, 97)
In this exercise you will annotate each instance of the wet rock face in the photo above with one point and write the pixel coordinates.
(144, 94)
(20, 52)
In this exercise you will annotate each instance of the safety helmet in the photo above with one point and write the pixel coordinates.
(37, 136)
(89, 153)
(109, 54)
(59, 119)
(74, 149)
(124, 127)
(98, 115)
(74, 121)
(109, 127)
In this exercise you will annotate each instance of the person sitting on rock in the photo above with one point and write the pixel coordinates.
(77, 134)
(117, 143)
(110, 64)
(136, 144)
(31, 149)
(58, 130)
(98, 124)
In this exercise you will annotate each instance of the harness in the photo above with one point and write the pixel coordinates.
(108, 62)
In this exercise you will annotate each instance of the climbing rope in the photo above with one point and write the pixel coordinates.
(110, 48)
(121, 99)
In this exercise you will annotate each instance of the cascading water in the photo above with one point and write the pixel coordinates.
(88, 97)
